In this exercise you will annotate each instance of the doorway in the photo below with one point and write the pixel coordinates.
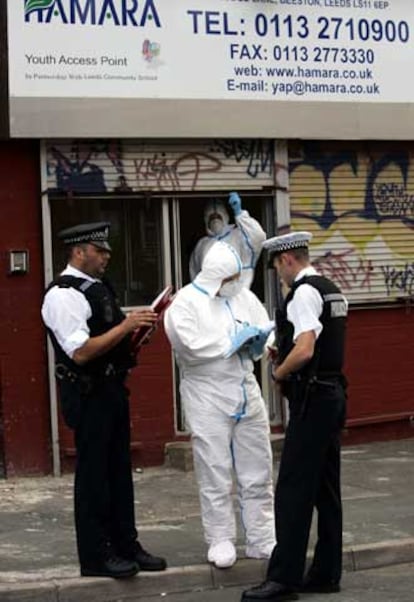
(187, 227)
(190, 227)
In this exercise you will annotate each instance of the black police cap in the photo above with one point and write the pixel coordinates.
(96, 233)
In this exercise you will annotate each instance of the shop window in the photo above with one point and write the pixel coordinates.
(135, 269)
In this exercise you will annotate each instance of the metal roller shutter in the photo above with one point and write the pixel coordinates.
(99, 166)
(358, 201)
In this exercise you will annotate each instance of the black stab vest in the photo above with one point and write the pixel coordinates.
(106, 313)
(328, 358)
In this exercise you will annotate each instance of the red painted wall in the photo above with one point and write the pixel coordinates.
(152, 403)
(380, 370)
(24, 389)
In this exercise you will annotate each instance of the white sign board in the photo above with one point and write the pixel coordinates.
(250, 50)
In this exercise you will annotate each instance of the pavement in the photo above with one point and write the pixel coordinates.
(38, 561)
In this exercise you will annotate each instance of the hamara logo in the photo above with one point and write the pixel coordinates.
(123, 13)
(31, 5)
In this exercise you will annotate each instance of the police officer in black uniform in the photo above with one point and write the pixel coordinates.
(91, 338)
(308, 365)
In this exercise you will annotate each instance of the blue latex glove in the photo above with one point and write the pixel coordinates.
(238, 340)
(256, 345)
(235, 203)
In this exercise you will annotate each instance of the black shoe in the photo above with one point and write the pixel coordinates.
(314, 586)
(270, 591)
(112, 566)
(145, 560)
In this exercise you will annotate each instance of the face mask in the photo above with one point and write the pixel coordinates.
(231, 289)
(216, 226)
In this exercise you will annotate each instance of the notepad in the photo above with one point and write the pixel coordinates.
(159, 305)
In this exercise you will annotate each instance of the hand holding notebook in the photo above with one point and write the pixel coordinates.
(159, 305)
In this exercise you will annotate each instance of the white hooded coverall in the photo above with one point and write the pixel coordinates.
(223, 404)
(246, 237)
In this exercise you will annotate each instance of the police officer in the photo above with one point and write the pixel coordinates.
(311, 339)
(91, 338)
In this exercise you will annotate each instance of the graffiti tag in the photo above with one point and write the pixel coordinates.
(79, 171)
(393, 199)
(183, 173)
(346, 268)
(399, 279)
(258, 154)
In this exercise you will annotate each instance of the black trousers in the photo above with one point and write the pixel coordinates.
(104, 495)
(309, 477)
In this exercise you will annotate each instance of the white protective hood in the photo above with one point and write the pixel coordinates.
(220, 262)
(216, 206)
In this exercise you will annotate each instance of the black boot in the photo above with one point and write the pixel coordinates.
(269, 591)
(145, 560)
(110, 565)
(316, 585)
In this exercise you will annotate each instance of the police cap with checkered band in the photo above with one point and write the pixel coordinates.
(96, 233)
(287, 242)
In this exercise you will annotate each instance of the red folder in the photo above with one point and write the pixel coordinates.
(159, 305)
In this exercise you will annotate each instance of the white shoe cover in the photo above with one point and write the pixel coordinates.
(256, 552)
(222, 554)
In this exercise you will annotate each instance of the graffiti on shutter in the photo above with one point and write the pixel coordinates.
(98, 167)
(357, 199)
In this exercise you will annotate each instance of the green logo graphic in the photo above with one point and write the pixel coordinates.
(31, 5)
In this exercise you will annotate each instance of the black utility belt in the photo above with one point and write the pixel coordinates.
(331, 384)
(64, 373)
(328, 380)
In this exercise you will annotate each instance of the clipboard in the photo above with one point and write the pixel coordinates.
(159, 305)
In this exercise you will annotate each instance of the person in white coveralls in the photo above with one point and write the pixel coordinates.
(246, 236)
(207, 324)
